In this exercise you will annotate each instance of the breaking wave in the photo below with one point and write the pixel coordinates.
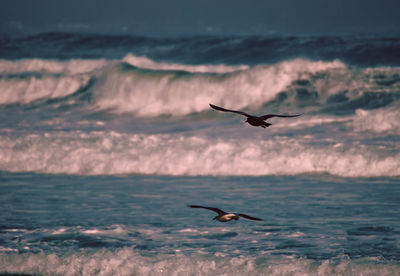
(153, 93)
(111, 153)
(379, 121)
(145, 88)
(128, 262)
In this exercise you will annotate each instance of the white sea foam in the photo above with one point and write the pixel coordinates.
(128, 262)
(6, 249)
(55, 79)
(385, 120)
(144, 62)
(59, 231)
(112, 153)
(28, 89)
(147, 95)
(113, 230)
(188, 230)
(310, 121)
(163, 90)
(296, 235)
(69, 67)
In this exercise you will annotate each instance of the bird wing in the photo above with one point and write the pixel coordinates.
(267, 116)
(229, 110)
(219, 211)
(248, 217)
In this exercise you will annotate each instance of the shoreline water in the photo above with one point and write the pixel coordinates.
(68, 225)
(105, 140)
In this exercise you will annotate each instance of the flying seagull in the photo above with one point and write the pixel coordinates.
(223, 216)
(254, 120)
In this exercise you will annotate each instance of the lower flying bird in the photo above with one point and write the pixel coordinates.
(254, 120)
(223, 216)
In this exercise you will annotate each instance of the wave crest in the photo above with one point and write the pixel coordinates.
(26, 90)
(127, 261)
(110, 153)
(70, 67)
(146, 63)
(144, 88)
(155, 93)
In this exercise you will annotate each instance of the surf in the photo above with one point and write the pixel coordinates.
(111, 153)
(144, 88)
(127, 261)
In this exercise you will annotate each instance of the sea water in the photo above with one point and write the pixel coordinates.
(105, 140)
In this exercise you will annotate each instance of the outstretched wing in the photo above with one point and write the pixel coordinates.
(229, 110)
(248, 217)
(267, 116)
(219, 211)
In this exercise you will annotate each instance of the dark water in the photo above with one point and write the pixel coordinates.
(105, 140)
(356, 50)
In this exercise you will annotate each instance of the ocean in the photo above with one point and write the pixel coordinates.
(105, 140)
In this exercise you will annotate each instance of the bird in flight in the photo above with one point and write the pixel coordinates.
(254, 120)
(223, 216)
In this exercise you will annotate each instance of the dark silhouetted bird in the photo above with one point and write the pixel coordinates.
(223, 216)
(254, 120)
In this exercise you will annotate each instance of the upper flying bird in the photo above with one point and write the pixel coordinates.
(223, 216)
(254, 120)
